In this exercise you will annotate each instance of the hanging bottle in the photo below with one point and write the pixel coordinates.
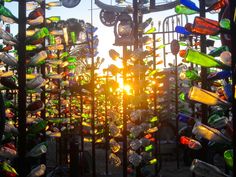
(181, 9)
(210, 134)
(219, 75)
(38, 36)
(204, 60)
(191, 5)
(53, 4)
(37, 171)
(217, 121)
(191, 143)
(217, 51)
(228, 156)
(8, 59)
(202, 168)
(38, 150)
(114, 160)
(206, 97)
(182, 30)
(32, 5)
(37, 58)
(55, 47)
(37, 127)
(4, 12)
(217, 6)
(53, 19)
(115, 147)
(189, 74)
(37, 21)
(7, 170)
(204, 26)
(36, 13)
(144, 25)
(33, 47)
(6, 36)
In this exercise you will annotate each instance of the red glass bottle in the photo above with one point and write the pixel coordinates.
(204, 26)
(217, 6)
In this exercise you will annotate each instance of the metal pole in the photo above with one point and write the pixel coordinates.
(93, 100)
(203, 69)
(135, 19)
(176, 111)
(124, 114)
(22, 89)
(106, 127)
(233, 51)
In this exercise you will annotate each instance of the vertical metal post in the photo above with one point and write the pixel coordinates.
(22, 89)
(233, 51)
(135, 19)
(106, 126)
(93, 100)
(204, 107)
(157, 142)
(176, 111)
(43, 97)
(124, 114)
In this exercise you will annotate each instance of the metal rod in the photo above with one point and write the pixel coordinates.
(93, 100)
(176, 111)
(22, 89)
(233, 51)
(204, 107)
(106, 126)
(124, 114)
(135, 19)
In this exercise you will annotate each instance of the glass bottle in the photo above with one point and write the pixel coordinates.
(191, 5)
(115, 147)
(7, 169)
(216, 6)
(53, 4)
(114, 160)
(204, 26)
(40, 34)
(204, 60)
(217, 51)
(202, 168)
(228, 156)
(8, 59)
(32, 5)
(209, 133)
(149, 148)
(38, 150)
(189, 74)
(135, 159)
(36, 13)
(7, 36)
(33, 47)
(53, 19)
(55, 47)
(73, 37)
(145, 24)
(219, 75)
(184, 118)
(37, 21)
(37, 127)
(135, 144)
(182, 30)
(181, 9)
(206, 97)
(217, 121)
(37, 171)
(191, 143)
(7, 13)
(37, 58)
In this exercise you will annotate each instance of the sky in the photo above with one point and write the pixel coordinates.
(83, 12)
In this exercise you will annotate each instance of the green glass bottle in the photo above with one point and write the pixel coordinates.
(52, 40)
(216, 52)
(73, 37)
(38, 127)
(149, 148)
(204, 60)
(33, 47)
(7, 13)
(181, 9)
(228, 156)
(40, 34)
(225, 23)
(71, 59)
(192, 75)
(53, 19)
